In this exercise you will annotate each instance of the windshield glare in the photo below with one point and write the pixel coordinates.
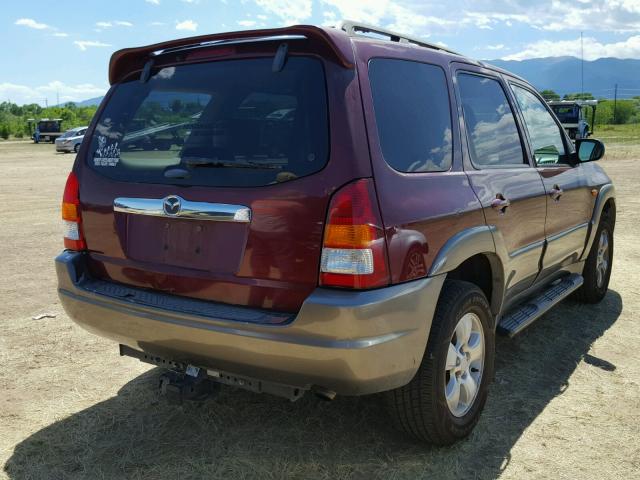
(226, 123)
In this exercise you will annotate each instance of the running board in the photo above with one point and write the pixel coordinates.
(517, 320)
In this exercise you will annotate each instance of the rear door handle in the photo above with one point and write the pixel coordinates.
(556, 192)
(500, 204)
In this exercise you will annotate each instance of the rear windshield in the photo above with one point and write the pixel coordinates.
(566, 114)
(49, 126)
(228, 123)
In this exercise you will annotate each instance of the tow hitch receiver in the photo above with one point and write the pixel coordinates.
(188, 382)
(193, 384)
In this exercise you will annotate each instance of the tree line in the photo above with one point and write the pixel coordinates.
(14, 119)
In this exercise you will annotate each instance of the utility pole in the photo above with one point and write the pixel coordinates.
(615, 101)
(581, 67)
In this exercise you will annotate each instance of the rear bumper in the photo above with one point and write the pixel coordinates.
(353, 343)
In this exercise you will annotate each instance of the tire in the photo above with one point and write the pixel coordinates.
(420, 408)
(595, 285)
(76, 147)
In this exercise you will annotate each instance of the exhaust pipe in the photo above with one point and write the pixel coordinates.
(324, 393)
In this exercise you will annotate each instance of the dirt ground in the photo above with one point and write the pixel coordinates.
(565, 402)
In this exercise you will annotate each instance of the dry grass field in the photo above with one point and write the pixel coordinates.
(565, 402)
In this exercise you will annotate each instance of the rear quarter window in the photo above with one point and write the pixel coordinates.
(413, 116)
(231, 123)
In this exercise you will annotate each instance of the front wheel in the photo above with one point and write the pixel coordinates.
(443, 402)
(597, 268)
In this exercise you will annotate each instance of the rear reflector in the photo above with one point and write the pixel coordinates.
(71, 218)
(354, 253)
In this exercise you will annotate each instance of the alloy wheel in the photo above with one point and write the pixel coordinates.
(464, 364)
(602, 259)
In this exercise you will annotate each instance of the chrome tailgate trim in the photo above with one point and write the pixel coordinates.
(177, 207)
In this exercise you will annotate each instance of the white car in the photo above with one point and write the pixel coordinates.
(70, 140)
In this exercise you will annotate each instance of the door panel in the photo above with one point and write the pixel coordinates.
(521, 226)
(568, 194)
(509, 189)
(568, 214)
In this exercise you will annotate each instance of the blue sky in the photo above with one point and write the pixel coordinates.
(65, 51)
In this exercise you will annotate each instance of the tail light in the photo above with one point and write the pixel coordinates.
(71, 218)
(354, 251)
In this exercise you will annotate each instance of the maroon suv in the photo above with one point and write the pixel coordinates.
(313, 209)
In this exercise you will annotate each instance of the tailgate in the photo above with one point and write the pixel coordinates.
(212, 180)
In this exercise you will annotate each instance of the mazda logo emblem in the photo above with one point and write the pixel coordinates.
(172, 205)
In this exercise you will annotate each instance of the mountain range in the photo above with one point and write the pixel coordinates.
(90, 102)
(562, 74)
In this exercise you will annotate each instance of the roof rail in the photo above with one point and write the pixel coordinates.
(358, 28)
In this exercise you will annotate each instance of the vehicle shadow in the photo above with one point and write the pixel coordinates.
(238, 434)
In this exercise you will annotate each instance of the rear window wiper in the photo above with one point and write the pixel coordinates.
(214, 163)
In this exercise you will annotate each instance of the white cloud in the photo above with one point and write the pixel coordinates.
(629, 48)
(556, 15)
(499, 46)
(246, 23)
(22, 94)
(330, 19)
(289, 11)
(187, 25)
(84, 44)
(31, 23)
(153, 2)
(412, 19)
(119, 23)
(262, 17)
(433, 17)
(60, 34)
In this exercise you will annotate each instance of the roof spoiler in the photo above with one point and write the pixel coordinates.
(129, 60)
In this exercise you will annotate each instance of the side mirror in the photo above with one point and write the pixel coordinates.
(589, 149)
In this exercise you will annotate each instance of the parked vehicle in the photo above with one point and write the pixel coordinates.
(46, 129)
(70, 140)
(571, 114)
(341, 214)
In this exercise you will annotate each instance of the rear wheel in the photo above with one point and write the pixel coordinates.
(76, 147)
(597, 268)
(443, 402)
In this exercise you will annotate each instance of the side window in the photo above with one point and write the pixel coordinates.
(491, 127)
(413, 115)
(544, 133)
